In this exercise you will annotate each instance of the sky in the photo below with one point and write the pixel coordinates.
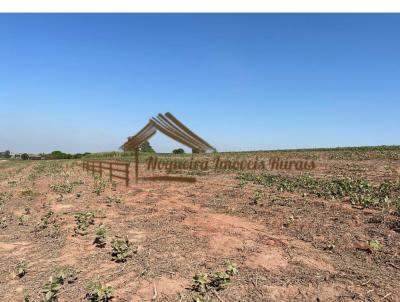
(85, 82)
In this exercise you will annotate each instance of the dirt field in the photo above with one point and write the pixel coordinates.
(290, 243)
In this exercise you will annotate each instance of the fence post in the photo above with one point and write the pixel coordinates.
(127, 174)
(110, 171)
(136, 164)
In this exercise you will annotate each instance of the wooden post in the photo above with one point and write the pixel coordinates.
(136, 164)
(127, 174)
(110, 171)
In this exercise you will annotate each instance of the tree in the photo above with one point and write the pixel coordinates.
(146, 147)
(24, 156)
(59, 155)
(178, 151)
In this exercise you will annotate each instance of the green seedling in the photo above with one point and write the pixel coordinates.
(111, 199)
(99, 185)
(200, 283)
(101, 236)
(83, 220)
(374, 245)
(66, 274)
(46, 220)
(21, 269)
(122, 249)
(98, 292)
(51, 290)
(62, 188)
(204, 286)
(257, 196)
(231, 268)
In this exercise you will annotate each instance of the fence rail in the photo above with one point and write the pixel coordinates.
(97, 166)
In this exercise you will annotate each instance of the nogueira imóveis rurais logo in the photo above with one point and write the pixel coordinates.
(173, 128)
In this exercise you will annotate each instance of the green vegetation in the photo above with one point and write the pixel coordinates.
(21, 269)
(52, 288)
(46, 220)
(83, 221)
(101, 236)
(112, 199)
(4, 197)
(374, 245)
(205, 285)
(178, 151)
(62, 188)
(349, 153)
(257, 197)
(122, 249)
(98, 292)
(62, 155)
(360, 191)
(99, 185)
(146, 147)
(48, 226)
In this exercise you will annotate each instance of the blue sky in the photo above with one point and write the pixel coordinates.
(241, 81)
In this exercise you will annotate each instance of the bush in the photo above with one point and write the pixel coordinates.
(24, 156)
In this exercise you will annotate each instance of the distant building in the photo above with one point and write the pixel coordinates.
(36, 157)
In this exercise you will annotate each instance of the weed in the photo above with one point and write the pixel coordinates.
(66, 274)
(27, 298)
(12, 183)
(231, 268)
(98, 292)
(200, 283)
(220, 280)
(122, 249)
(62, 188)
(28, 192)
(101, 236)
(3, 222)
(21, 269)
(257, 196)
(22, 219)
(83, 220)
(99, 185)
(51, 289)
(46, 220)
(5, 196)
(112, 199)
(205, 285)
(374, 245)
